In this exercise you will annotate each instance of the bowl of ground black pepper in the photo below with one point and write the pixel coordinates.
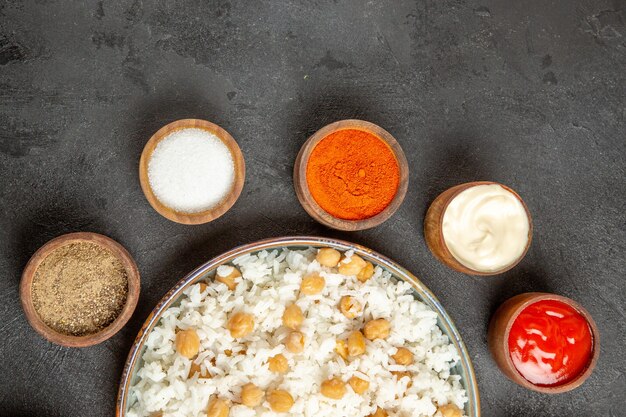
(79, 289)
(351, 175)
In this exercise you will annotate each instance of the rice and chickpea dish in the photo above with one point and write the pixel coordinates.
(298, 332)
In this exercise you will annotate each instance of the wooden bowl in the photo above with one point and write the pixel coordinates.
(433, 231)
(308, 202)
(498, 339)
(92, 339)
(202, 216)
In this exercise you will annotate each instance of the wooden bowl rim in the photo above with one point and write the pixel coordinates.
(313, 208)
(42, 253)
(529, 298)
(202, 216)
(458, 189)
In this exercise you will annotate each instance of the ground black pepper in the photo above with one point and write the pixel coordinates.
(79, 288)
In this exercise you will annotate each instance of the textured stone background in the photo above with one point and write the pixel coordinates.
(529, 93)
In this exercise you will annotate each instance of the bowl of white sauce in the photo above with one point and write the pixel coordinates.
(479, 228)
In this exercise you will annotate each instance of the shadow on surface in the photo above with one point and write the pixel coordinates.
(519, 280)
(316, 109)
(30, 413)
(161, 108)
(453, 162)
(52, 219)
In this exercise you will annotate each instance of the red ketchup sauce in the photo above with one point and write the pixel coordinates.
(550, 343)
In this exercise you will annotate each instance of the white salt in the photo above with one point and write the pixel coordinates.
(191, 170)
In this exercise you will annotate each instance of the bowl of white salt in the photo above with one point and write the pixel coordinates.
(191, 171)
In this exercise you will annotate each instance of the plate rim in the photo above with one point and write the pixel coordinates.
(473, 404)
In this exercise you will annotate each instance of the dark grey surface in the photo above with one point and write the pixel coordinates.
(527, 93)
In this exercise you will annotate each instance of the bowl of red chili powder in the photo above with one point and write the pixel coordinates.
(544, 342)
(351, 175)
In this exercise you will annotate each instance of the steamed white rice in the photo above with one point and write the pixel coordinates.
(271, 280)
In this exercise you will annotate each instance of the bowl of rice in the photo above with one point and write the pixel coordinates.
(301, 326)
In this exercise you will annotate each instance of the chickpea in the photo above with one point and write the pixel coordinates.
(295, 342)
(366, 273)
(403, 356)
(312, 284)
(341, 347)
(328, 257)
(450, 410)
(280, 401)
(278, 364)
(351, 267)
(217, 408)
(379, 413)
(228, 275)
(356, 344)
(251, 395)
(333, 388)
(197, 369)
(377, 329)
(187, 343)
(401, 374)
(241, 324)
(350, 306)
(359, 386)
(292, 317)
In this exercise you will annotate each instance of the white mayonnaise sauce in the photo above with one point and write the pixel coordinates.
(485, 227)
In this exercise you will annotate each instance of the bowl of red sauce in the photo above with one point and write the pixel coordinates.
(544, 342)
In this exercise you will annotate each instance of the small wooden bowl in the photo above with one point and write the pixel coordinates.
(202, 216)
(498, 339)
(92, 339)
(433, 231)
(308, 202)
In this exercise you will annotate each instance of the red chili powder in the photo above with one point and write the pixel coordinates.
(352, 174)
